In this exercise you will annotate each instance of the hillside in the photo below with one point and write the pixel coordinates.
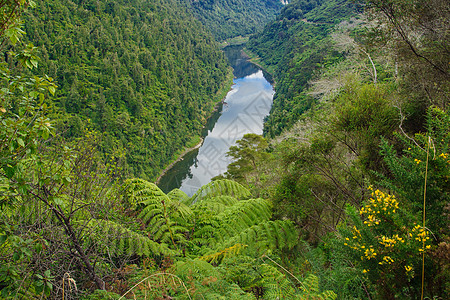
(230, 18)
(144, 73)
(348, 200)
(293, 48)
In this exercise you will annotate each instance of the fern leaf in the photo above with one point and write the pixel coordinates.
(118, 240)
(241, 216)
(179, 196)
(227, 252)
(220, 188)
(267, 235)
(310, 290)
(276, 285)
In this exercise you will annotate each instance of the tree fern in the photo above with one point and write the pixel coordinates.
(166, 217)
(227, 252)
(207, 282)
(179, 196)
(216, 204)
(221, 223)
(275, 284)
(278, 286)
(267, 235)
(221, 188)
(139, 191)
(241, 216)
(310, 290)
(116, 239)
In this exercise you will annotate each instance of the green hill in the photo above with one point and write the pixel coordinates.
(292, 48)
(230, 18)
(144, 73)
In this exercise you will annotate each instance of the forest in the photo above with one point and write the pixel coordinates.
(345, 196)
(144, 73)
(228, 19)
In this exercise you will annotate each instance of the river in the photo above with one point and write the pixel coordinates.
(243, 111)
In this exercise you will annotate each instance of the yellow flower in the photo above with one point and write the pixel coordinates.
(417, 160)
(408, 268)
(365, 271)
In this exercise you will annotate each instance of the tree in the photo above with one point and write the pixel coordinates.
(417, 32)
(248, 156)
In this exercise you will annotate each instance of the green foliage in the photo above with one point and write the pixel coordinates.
(416, 33)
(248, 156)
(116, 239)
(207, 282)
(407, 170)
(144, 73)
(364, 114)
(222, 187)
(231, 18)
(292, 48)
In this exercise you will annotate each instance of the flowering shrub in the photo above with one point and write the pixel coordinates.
(386, 245)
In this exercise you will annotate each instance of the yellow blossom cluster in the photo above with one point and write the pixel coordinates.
(370, 253)
(390, 242)
(386, 260)
(445, 156)
(380, 203)
(421, 235)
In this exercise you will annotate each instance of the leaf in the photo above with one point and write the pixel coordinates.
(20, 142)
(58, 201)
(52, 89)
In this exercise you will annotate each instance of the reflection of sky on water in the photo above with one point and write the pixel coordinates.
(246, 106)
(243, 112)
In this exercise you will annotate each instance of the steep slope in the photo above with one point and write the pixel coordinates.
(145, 73)
(292, 48)
(231, 18)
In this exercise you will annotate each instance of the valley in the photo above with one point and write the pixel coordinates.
(237, 149)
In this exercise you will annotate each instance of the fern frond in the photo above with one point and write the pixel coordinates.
(311, 290)
(223, 199)
(275, 283)
(224, 253)
(138, 190)
(179, 196)
(220, 188)
(166, 218)
(116, 239)
(242, 215)
(277, 234)
(214, 204)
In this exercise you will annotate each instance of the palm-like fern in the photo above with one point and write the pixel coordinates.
(179, 195)
(116, 239)
(278, 286)
(220, 188)
(266, 235)
(166, 218)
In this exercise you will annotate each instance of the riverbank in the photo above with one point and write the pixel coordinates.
(221, 95)
(180, 157)
(238, 40)
(256, 60)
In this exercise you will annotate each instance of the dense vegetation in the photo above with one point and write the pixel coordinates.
(362, 169)
(144, 73)
(230, 18)
(349, 201)
(292, 49)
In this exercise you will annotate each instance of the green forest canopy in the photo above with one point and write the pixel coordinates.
(144, 73)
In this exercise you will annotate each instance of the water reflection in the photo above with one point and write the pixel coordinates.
(243, 112)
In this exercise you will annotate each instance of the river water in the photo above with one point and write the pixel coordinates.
(244, 109)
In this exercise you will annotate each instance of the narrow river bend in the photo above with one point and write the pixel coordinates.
(244, 109)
